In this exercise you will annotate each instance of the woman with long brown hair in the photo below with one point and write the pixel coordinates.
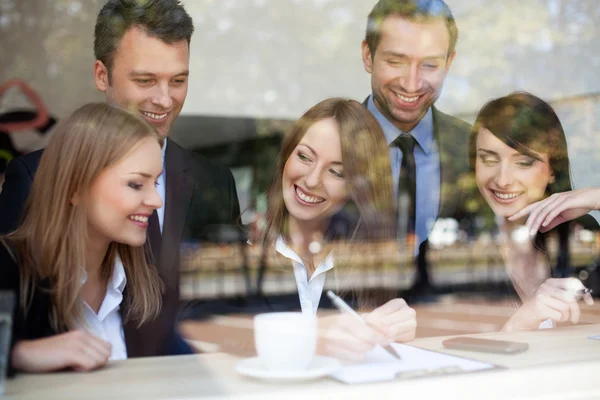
(333, 184)
(518, 152)
(77, 262)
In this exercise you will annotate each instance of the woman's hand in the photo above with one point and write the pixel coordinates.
(558, 208)
(349, 340)
(396, 319)
(555, 299)
(79, 350)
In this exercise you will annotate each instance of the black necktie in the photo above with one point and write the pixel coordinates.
(154, 235)
(407, 186)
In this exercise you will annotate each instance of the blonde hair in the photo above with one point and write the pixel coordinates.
(368, 176)
(365, 158)
(51, 241)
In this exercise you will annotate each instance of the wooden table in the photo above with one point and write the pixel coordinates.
(560, 364)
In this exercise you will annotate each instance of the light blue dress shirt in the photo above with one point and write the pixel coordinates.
(427, 162)
(161, 188)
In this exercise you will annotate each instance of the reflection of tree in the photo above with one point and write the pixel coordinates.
(549, 47)
(50, 45)
(270, 69)
(277, 55)
(580, 118)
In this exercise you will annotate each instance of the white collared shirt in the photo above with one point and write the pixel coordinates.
(161, 188)
(107, 324)
(309, 290)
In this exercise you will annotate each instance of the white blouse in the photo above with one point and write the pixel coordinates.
(107, 324)
(309, 290)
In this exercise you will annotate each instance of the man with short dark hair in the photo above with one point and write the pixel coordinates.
(408, 50)
(142, 63)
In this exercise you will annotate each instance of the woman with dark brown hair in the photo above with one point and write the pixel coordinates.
(518, 152)
(333, 185)
(77, 262)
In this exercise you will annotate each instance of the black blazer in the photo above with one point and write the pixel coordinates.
(36, 323)
(198, 195)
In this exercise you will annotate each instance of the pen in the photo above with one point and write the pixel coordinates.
(582, 292)
(344, 307)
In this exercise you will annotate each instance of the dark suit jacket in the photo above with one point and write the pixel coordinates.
(198, 195)
(452, 136)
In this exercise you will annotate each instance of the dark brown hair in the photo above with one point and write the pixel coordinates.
(526, 123)
(166, 20)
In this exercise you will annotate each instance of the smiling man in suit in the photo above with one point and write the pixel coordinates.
(408, 50)
(142, 51)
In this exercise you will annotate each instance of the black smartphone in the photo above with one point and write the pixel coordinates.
(485, 345)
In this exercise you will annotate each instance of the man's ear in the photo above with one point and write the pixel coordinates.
(449, 60)
(367, 57)
(101, 76)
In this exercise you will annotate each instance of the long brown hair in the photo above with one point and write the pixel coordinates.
(51, 242)
(365, 158)
(528, 124)
(525, 122)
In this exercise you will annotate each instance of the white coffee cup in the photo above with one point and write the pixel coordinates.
(285, 340)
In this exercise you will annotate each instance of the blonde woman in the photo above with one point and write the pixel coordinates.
(333, 182)
(77, 262)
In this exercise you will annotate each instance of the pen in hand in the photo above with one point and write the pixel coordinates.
(583, 292)
(345, 308)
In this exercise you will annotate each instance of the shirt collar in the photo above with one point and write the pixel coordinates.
(282, 248)
(164, 151)
(118, 280)
(422, 132)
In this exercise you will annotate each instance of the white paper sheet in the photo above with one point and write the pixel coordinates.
(381, 366)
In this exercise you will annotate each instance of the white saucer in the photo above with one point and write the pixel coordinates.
(319, 367)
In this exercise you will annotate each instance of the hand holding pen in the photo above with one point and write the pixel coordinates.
(349, 336)
(556, 299)
(567, 289)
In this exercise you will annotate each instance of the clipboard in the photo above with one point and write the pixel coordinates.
(415, 363)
